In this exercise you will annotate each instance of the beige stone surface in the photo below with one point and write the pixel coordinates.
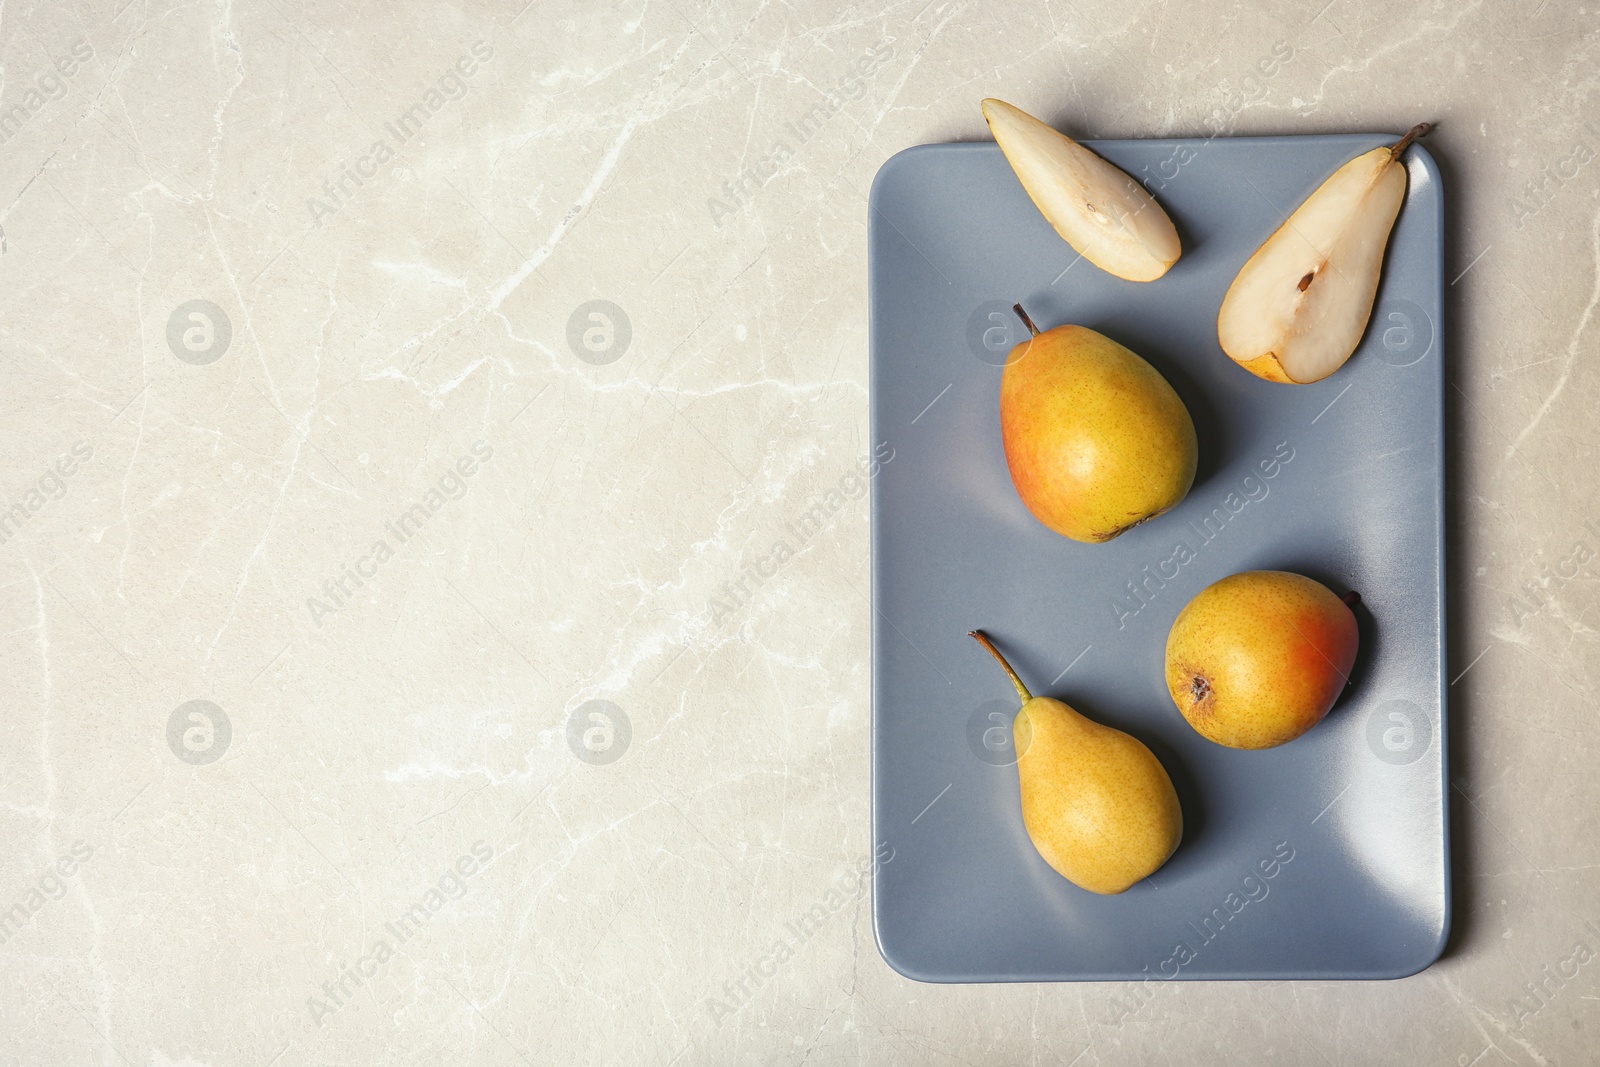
(395, 214)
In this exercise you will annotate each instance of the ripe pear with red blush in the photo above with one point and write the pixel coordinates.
(1097, 441)
(1257, 659)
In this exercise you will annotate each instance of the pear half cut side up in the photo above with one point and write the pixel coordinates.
(1299, 307)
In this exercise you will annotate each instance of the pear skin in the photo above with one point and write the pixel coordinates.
(1267, 367)
(1096, 803)
(1298, 307)
(1257, 659)
(1097, 441)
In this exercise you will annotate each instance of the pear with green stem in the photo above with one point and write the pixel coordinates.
(1096, 802)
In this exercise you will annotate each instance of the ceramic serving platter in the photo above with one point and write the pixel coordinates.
(1326, 858)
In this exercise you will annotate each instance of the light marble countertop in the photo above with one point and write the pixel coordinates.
(305, 418)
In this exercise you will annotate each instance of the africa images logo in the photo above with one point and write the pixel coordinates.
(452, 484)
(738, 192)
(449, 886)
(1252, 888)
(450, 85)
(1146, 585)
(735, 593)
(48, 85)
(848, 887)
(51, 885)
(198, 732)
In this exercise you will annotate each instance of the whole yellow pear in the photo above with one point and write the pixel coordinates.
(1096, 803)
(1096, 439)
(1257, 659)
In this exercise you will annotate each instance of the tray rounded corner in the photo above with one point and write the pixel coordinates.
(897, 963)
(1430, 952)
(1430, 165)
(892, 167)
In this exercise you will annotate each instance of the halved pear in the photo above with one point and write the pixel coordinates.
(1299, 306)
(1098, 209)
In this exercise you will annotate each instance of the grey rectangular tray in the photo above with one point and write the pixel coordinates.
(1325, 858)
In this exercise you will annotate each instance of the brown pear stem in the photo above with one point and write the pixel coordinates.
(1351, 599)
(1419, 130)
(983, 639)
(1023, 315)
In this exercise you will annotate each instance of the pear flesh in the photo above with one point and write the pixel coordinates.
(1098, 209)
(1096, 803)
(1297, 309)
